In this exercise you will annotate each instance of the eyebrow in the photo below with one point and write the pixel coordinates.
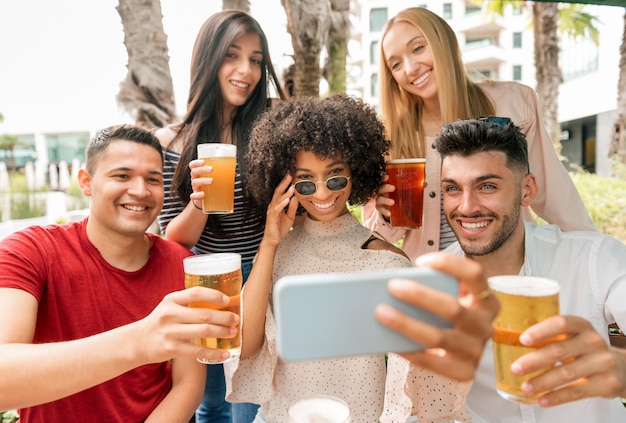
(412, 40)
(235, 46)
(476, 180)
(128, 169)
(408, 43)
(331, 165)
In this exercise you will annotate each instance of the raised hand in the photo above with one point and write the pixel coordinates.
(168, 330)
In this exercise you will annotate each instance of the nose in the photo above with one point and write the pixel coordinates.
(322, 190)
(138, 188)
(411, 66)
(469, 204)
(244, 66)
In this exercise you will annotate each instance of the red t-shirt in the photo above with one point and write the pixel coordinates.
(80, 294)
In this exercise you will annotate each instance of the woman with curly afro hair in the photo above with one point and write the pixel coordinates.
(339, 127)
(316, 155)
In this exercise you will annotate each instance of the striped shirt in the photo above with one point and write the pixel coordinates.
(446, 235)
(241, 231)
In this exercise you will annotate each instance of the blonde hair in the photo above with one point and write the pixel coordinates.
(459, 96)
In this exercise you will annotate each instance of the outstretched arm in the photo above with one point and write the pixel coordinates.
(45, 372)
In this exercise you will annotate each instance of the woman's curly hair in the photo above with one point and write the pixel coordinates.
(335, 127)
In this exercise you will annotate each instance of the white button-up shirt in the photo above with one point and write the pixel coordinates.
(591, 269)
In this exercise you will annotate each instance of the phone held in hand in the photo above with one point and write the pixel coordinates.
(327, 315)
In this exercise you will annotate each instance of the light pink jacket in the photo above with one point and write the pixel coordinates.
(558, 201)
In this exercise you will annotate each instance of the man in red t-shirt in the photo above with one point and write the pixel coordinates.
(94, 323)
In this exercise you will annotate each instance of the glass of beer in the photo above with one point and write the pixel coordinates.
(220, 271)
(319, 409)
(524, 301)
(219, 196)
(408, 176)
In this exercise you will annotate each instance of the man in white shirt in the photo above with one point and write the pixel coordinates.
(486, 182)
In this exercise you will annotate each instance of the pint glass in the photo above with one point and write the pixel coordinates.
(219, 196)
(222, 272)
(524, 301)
(319, 409)
(408, 176)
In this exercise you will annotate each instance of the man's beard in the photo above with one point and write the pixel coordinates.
(509, 223)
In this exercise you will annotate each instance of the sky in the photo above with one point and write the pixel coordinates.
(61, 61)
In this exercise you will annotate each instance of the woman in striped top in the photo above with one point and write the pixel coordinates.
(231, 77)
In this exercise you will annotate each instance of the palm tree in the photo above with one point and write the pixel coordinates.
(309, 26)
(243, 5)
(550, 19)
(618, 142)
(147, 93)
(337, 46)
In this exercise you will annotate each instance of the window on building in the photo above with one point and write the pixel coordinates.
(374, 53)
(517, 9)
(374, 85)
(378, 18)
(472, 9)
(517, 40)
(480, 74)
(517, 72)
(578, 57)
(447, 10)
(474, 43)
(22, 153)
(67, 147)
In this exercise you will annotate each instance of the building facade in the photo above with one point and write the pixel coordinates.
(502, 48)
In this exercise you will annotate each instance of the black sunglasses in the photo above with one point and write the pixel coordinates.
(502, 122)
(334, 183)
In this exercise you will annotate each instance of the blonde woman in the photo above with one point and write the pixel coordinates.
(423, 85)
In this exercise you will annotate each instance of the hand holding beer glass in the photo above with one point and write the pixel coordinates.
(222, 272)
(524, 301)
(219, 196)
(408, 176)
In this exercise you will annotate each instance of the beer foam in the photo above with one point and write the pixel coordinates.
(212, 264)
(216, 150)
(396, 161)
(529, 286)
(319, 409)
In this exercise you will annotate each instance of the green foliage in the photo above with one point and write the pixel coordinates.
(9, 416)
(605, 199)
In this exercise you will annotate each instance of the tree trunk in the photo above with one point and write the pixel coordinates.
(243, 5)
(549, 78)
(147, 93)
(618, 141)
(337, 46)
(308, 25)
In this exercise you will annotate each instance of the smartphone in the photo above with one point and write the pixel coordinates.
(327, 315)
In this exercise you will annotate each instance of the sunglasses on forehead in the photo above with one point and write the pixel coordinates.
(334, 183)
(502, 122)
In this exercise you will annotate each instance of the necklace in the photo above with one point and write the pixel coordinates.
(226, 124)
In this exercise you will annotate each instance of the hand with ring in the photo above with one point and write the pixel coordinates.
(455, 352)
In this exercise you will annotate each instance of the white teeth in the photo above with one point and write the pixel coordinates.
(422, 78)
(474, 226)
(324, 206)
(133, 208)
(239, 84)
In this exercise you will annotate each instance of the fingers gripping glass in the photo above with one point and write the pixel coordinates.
(334, 183)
